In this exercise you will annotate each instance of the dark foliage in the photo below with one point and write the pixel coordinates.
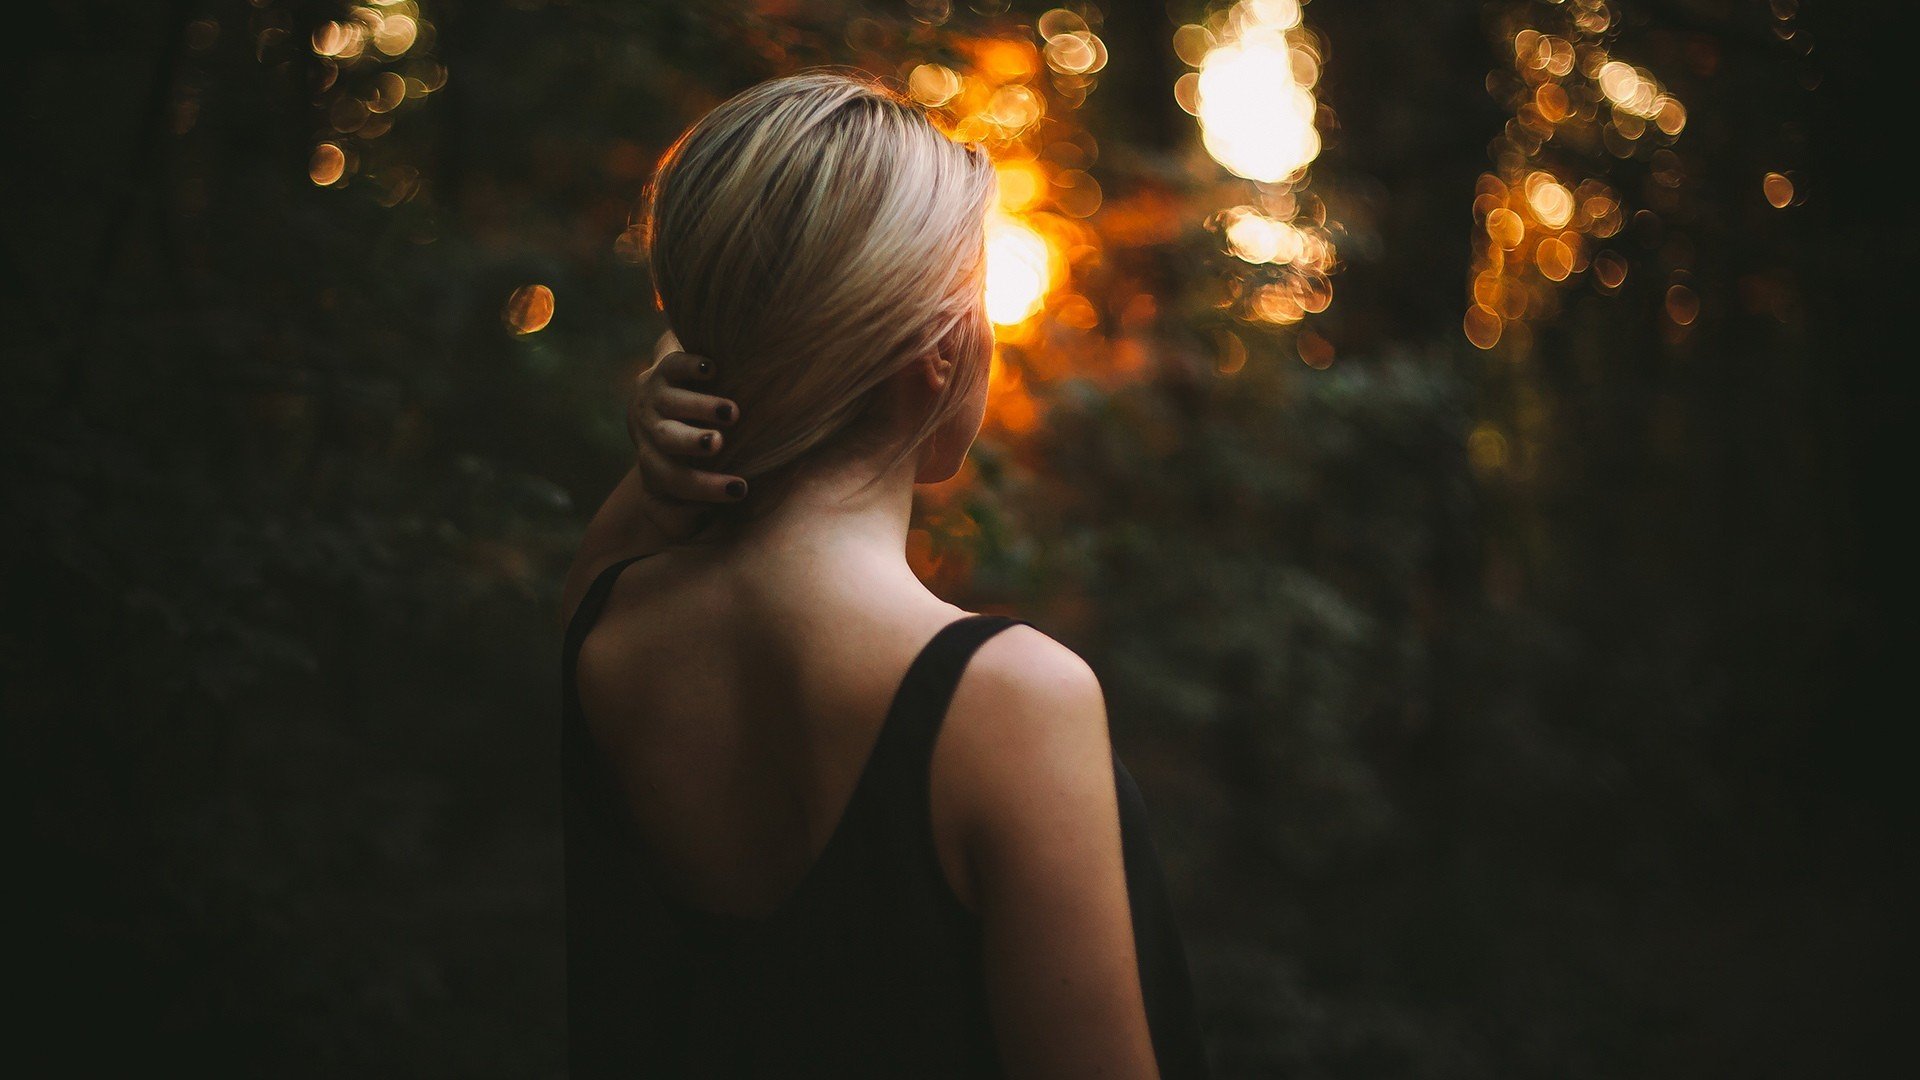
(1576, 769)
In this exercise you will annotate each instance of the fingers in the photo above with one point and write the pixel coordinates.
(668, 454)
(675, 438)
(661, 391)
(672, 370)
(671, 426)
(675, 478)
(704, 410)
(717, 488)
(680, 368)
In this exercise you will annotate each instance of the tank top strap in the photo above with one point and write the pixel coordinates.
(904, 756)
(590, 607)
(573, 727)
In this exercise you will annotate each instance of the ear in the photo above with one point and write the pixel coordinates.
(937, 370)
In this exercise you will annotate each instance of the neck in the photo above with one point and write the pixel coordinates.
(840, 508)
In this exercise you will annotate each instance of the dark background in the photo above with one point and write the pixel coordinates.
(1584, 763)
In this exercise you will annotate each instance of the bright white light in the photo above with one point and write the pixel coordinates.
(1254, 118)
(1256, 238)
(1018, 274)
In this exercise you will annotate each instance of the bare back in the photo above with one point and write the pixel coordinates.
(738, 706)
(741, 704)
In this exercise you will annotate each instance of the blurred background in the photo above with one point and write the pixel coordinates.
(1455, 431)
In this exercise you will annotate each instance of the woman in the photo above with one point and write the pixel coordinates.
(819, 821)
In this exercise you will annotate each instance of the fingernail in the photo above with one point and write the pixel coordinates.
(706, 442)
(724, 412)
(736, 489)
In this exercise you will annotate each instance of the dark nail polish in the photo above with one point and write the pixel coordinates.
(706, 442)
(725, 413)
(736, 489)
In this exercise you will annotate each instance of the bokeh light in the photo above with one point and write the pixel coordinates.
(327, 165)
(933, 85)
(370, 64)
(1011, 84)
(1018, 276)
(529, 309)
(1482, 325)
(1254, 118)
(1683, 305)
(1778, 188)
(1609, 270)
(1020, 185)
(1257, 238)
(1549, 197)
(1551, 202)
(1252, 95)
(1013, 93)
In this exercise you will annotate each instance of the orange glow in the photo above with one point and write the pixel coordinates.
(336, 39)
(389, 90)
(1551, 100)
(1233, 353)
(1683, 305)
(1191, 43)
(1078, 53)
(1537, 223)
(1314, 293)
(1186, 93)
(1506, 228)
(327, 165)
(1006, 60)
(1009, 404)
(1275, 303)
(1610, 270)
(1670, 116)
(933, 85)
(529, 309)
(1021, 185)
(1076, 193)
(1013, 108)
(1253, 237)
(1778, 189)
(1554, 259)
(1315, 351)
(1482, 326)
(1077, 311)
(371, 62)
(1629, 89)
(395, 35)
(999, 100)
(1552, 203)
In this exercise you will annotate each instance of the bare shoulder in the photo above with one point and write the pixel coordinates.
(1028, 720)
(1024, 670)
(1030, 769)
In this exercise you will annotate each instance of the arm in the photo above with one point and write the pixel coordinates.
(1031, 766)
(658, 499)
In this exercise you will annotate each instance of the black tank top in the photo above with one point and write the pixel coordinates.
(872, 969)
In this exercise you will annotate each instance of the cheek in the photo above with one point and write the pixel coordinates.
(977, 403)
(964, 425)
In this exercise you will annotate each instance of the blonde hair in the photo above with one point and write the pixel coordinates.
(813, 236)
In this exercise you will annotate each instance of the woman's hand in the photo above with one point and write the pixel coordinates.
(674, 427)
(659, 501)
